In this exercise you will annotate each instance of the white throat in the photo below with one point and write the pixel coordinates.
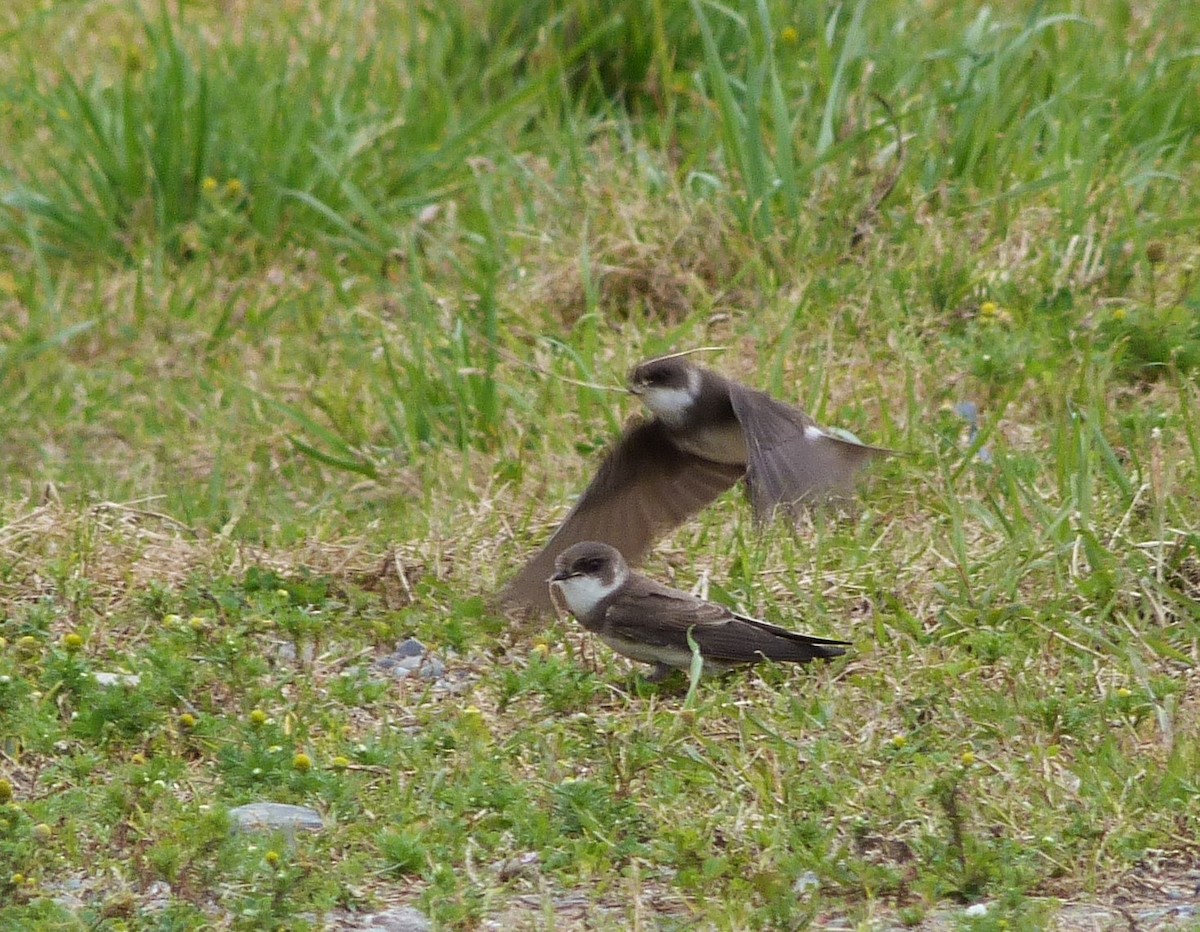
(673, 405)
(584, 593)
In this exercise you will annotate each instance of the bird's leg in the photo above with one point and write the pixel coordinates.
(660, 672)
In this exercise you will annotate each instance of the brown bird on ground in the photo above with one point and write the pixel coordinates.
(650, 622)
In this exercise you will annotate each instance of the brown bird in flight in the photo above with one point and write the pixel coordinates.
(706, 432)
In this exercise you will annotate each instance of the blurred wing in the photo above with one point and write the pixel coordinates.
(645, 487)
(790, 459)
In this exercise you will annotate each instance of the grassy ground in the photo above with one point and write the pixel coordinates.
(295, 303)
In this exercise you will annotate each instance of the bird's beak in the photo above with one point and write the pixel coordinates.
(636, 388)
(560, 576)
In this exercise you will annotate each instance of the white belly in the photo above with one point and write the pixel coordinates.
(648, 653)
(671, 656)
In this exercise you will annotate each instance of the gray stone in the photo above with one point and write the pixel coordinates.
(522, 865)
(455, 683)
(969, 412)
(286, 652)
(408, 658)
(397, 919)
(117, 679)
(1169, 913)
(69, 893)
(157, 897)
(409, 647)
(276, 817)
(805, 882)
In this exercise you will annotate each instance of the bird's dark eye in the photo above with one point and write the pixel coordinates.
(591, 566)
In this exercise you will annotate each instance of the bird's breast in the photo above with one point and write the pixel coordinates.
(722, 442)
(583, 593)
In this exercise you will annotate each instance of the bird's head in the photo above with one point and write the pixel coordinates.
(588, 573)
(667, 386)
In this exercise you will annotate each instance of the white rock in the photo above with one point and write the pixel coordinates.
(805, 882)
(276, 816)
(117, 679)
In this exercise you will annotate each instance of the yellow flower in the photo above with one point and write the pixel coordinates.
(473, 723)
(988, 309)
(209, 185)
(197, 623)
(899, 741)
(541, 648)
(6, 791)
(1124, 693)
(187, 721)
(339, 763)
(1120, 314)
(272, 858)
(72, 642)
(789, 35)
(234, 188)
(302, 762)
(258, 718)
(968, 758)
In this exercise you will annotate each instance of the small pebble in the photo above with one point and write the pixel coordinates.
(117, 679)
(397, 919)
(410, 657)
(523, 865)
(276, 816)
(805, 882)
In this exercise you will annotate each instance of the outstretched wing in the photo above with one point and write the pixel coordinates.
(790, 459)
(645, 487)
